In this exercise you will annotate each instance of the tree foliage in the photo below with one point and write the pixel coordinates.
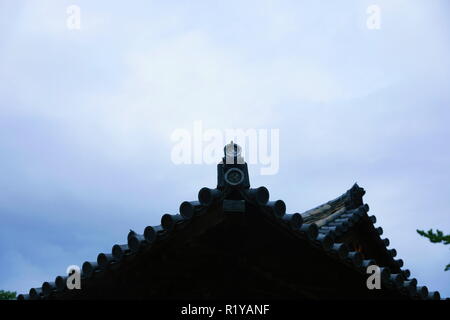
(437, 237)
(7, 295)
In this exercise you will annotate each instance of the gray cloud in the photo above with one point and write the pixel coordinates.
(86, 118)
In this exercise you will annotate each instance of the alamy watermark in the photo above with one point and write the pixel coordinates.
(373, 21)
(374, 280)
(73, 277)
(73, 21)
(205, 146)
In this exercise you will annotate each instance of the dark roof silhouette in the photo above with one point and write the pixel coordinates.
(235, 243)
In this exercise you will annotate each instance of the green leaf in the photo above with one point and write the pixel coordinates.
(7, 295)
(435, 237)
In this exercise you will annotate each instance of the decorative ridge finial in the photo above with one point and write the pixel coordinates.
(232, 171)
(232, 154)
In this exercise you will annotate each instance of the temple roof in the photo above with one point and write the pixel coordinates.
(236, 234)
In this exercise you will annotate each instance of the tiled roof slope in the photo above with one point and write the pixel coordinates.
(330, 228)
(340, 217)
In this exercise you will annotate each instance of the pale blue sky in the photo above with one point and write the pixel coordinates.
(86, 117)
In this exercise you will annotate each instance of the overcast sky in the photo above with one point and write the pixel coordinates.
(86, 117)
